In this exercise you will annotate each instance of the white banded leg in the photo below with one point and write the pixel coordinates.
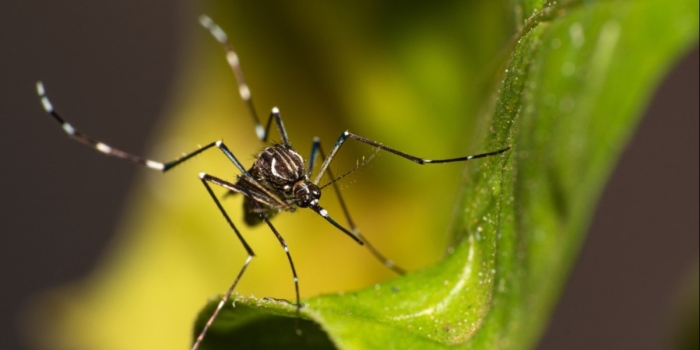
(283, 243)
(275, 114)
(258, 199)
(235, 64)
(205, 178)
(317, 150)
(324, 214)
(344, 136)
(106, 149)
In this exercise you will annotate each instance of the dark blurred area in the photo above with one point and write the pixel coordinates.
(117, 58)
(120, 58)
(642, 246)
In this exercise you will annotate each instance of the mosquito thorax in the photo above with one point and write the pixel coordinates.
(306, 193)
(280, 166)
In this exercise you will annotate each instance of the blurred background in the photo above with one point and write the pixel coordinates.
(117, 252)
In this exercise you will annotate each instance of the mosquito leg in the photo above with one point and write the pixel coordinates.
(221, 304)
(243, 89)
(324, 214)
(280, 300)
(275, 114)
(205, 178)
(286, 251)
(317, 149)
(259, 199)
(235, 64)
(106, 149)
(418, 160)
(291, 263)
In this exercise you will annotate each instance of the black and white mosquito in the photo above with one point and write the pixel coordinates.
(279, 180)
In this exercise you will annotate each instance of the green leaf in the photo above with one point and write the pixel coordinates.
(577, 79)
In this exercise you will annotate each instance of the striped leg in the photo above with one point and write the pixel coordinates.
(243, 89)
(111, 151)
(257, 199)
(418, 160)
(316, 149)
(233, 61)
(251, 254)
(275, 114)
(106, 149)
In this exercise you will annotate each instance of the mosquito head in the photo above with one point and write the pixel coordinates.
(306, 193)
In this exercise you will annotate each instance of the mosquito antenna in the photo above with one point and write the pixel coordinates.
(359, 164)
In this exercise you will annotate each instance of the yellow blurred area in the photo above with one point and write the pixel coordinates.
(408, 77)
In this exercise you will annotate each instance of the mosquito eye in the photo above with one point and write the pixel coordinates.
(314, 191)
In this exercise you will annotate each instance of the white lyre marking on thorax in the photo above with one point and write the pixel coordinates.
(273, 166)
(284, 157)
(301, 159)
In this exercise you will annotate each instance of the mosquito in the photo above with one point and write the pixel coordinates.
(279, 180)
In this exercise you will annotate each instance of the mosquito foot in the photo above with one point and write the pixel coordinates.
(282, 301)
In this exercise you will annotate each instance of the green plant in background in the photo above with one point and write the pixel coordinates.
(562, 83)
